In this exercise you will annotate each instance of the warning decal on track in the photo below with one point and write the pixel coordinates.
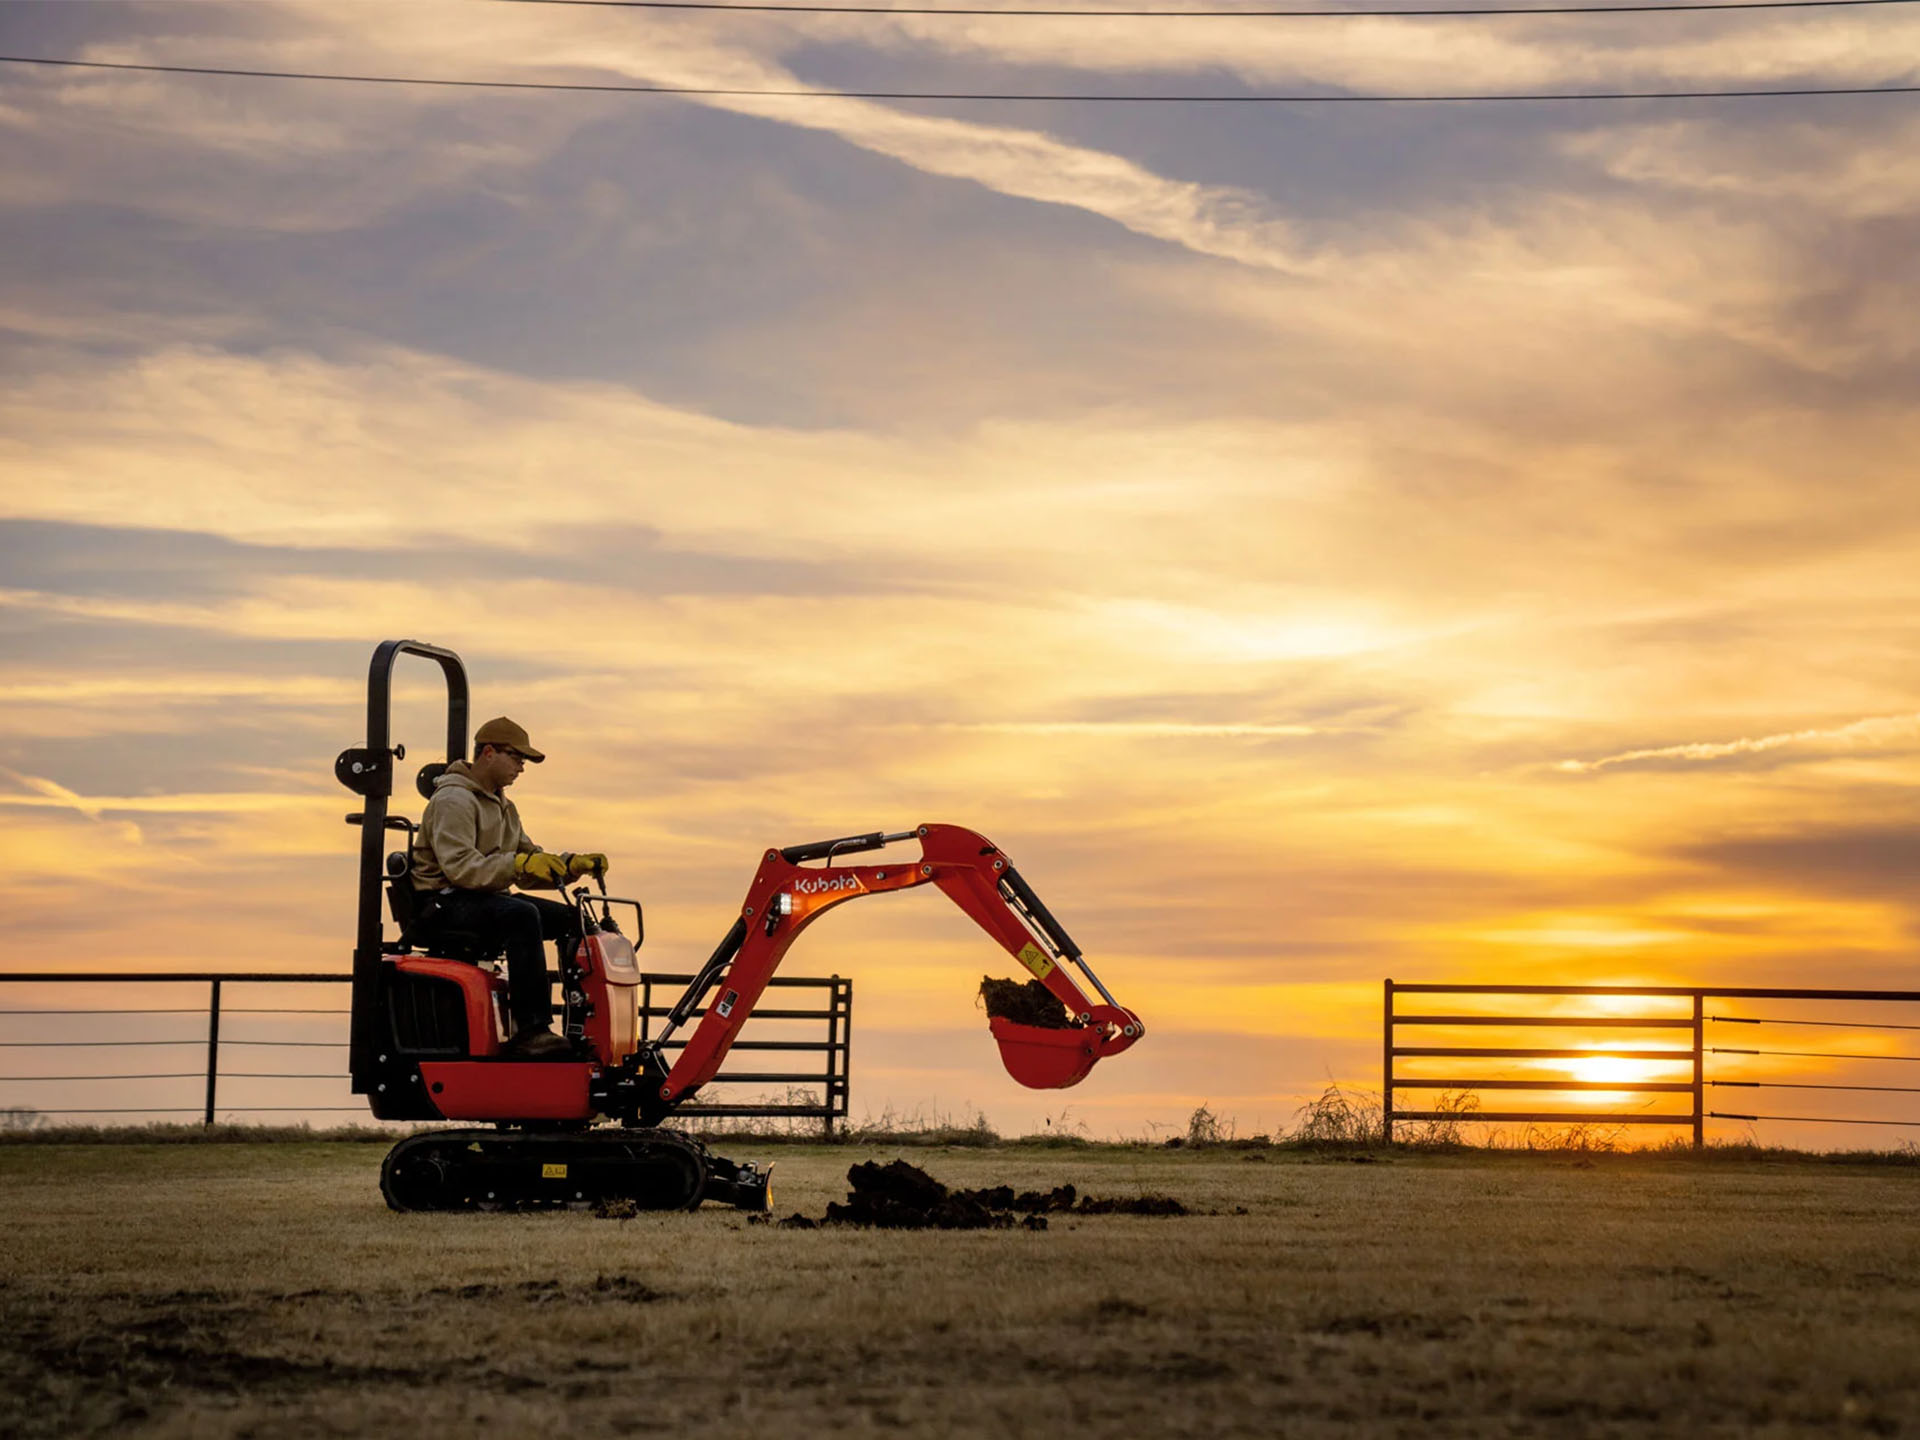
(553, 1172)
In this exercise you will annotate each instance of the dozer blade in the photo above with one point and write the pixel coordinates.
(1042, 1058)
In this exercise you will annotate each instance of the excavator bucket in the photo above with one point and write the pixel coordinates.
(1041, 1058)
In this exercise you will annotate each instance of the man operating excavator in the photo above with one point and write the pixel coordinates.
(471, 852)
(425, 1041)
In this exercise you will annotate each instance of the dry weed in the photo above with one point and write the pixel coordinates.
(1339, 1117)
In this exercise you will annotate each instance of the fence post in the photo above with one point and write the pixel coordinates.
(833, 1038)
(1386, 1064)
(839, 1045)
(213, 1046)
(1699, 1070)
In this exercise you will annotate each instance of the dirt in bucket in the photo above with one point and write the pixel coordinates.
(1028, 1004)
(900, 1196)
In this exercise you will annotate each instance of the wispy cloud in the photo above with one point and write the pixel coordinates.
(177, 689)
(1872, 731)
(50, 794)
(1211, 219)
(1142, 729)
(1376, 54)
(1804, 163)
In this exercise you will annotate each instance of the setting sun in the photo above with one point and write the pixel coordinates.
(1610, 1069)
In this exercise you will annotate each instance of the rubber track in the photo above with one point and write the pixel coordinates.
(531, 1170)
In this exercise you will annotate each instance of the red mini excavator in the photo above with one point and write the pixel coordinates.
(428, 1025)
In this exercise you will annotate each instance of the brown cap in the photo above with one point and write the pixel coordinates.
(503, 732)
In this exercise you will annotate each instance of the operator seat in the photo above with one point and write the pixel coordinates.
(403, 903)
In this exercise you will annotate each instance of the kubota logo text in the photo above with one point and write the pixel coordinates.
(826, 885)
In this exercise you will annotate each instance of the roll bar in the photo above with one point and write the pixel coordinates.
(367, 770)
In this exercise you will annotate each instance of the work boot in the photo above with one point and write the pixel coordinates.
(540, 1044)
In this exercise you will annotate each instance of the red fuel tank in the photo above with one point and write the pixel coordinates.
(611, 980)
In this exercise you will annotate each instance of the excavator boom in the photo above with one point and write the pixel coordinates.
(789, 893)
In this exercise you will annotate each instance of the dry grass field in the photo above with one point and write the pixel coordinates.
(263, 1290)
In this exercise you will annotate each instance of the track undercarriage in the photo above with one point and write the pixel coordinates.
(499, 1169)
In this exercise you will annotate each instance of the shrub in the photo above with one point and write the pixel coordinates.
(1339, 1117)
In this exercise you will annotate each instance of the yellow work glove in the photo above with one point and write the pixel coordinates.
(593, 864)
(539, 868)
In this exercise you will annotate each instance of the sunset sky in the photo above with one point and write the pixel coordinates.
(1319, 543)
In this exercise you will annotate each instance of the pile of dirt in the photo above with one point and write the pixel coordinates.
(1028, 1004)
(1024, 1202)
(899, 1196)
(1131, 1205)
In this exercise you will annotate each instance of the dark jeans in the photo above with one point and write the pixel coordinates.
(518, 922)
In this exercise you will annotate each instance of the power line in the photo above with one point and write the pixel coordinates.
(1422, 13)
(801, 94)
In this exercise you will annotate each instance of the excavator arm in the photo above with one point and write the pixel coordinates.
(790, 892)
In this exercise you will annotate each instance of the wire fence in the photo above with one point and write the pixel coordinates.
(34, 1031)
(1621, 1079)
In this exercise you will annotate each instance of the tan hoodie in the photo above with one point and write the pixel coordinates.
(468, 837)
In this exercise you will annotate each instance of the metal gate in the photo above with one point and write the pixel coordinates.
(1660, 1011)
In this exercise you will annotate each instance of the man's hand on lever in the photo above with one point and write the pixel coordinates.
(540, 868)
(587, 863)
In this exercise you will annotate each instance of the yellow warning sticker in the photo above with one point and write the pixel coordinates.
(553, 1172)
(1035, 960)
